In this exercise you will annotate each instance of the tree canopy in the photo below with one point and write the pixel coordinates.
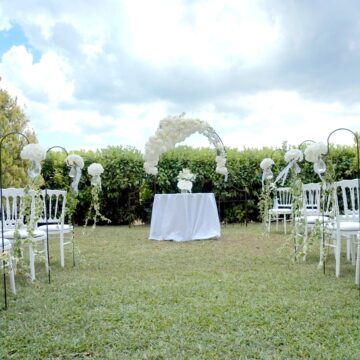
(13, 120)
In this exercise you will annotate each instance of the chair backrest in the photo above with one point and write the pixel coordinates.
(283, 198)
(11, 207)
(311, 197)
(54, 206)
(347, 192)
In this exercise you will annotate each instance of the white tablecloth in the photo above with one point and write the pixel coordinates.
(184, 217)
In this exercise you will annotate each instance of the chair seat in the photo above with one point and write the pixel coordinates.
(346, 226)
(280, 211)
(7, 244)
(313, 218)
(24, 234)
(56, 228)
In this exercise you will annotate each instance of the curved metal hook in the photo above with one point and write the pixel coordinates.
(58, 147)
(305, 141)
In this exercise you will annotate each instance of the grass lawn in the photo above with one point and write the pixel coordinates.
(234, 298)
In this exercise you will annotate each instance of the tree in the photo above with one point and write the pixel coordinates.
(13, 119)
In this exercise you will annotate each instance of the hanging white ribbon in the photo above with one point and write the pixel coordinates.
(319, 167)
(75, 172)
(96, 181)
(267, 174)
(284, 172)
(34, 169)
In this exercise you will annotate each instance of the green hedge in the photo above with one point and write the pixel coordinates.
(127, 191)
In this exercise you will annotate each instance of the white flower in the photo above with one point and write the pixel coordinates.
(186, 174)
(33, 152)
(293, 154)
(266, 163)
(314, 151)
(184, 185)
(75, 160)
(95, 169)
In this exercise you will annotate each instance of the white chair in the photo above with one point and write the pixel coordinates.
(282, 207)
(14, 223)
(6, 261)
(53, 218)
(346, 222)
(313, 211)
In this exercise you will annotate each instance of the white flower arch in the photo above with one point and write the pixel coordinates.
(175, 129)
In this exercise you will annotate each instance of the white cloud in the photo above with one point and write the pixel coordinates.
(108, 71)
(46, 78)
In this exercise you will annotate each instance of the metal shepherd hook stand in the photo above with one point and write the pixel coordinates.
(46, 213)
(357, 170)
(1, 207)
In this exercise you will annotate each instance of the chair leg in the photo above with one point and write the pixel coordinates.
(12, 277)
(349, 249)
(337, 256)
(32, 262)
(62, 261)
(357, 268)
(285, 224)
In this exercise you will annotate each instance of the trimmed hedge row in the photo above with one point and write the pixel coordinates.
(127, 191)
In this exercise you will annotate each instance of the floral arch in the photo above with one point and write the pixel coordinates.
(175, 129)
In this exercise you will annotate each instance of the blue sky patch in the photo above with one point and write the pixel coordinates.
(15, 36)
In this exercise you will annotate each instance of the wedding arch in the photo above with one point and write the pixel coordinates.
(175, 129)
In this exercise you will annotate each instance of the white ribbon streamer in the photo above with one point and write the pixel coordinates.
(75, 172)
(267, 174)
(96, 181)
(284, 172)
(319, 167)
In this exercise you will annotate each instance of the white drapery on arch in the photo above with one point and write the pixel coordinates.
(175, 129)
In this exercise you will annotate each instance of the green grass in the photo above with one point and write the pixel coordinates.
(234, 298)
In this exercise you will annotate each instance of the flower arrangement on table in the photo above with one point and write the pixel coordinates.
(175, 129)
(185, 180)
(95, 170)
(76, 163)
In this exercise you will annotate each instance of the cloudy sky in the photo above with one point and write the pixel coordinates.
(95, 73)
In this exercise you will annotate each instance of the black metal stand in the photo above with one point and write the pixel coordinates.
(357, 170)
(2, 212)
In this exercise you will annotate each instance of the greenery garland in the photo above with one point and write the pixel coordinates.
(94, 213)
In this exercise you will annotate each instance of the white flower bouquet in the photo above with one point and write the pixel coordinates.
(75, 160)
(294, 154)
(76, 163)
(95, 169)
(314, 151)
(33, 152)
(313, 154)
(266, 164)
